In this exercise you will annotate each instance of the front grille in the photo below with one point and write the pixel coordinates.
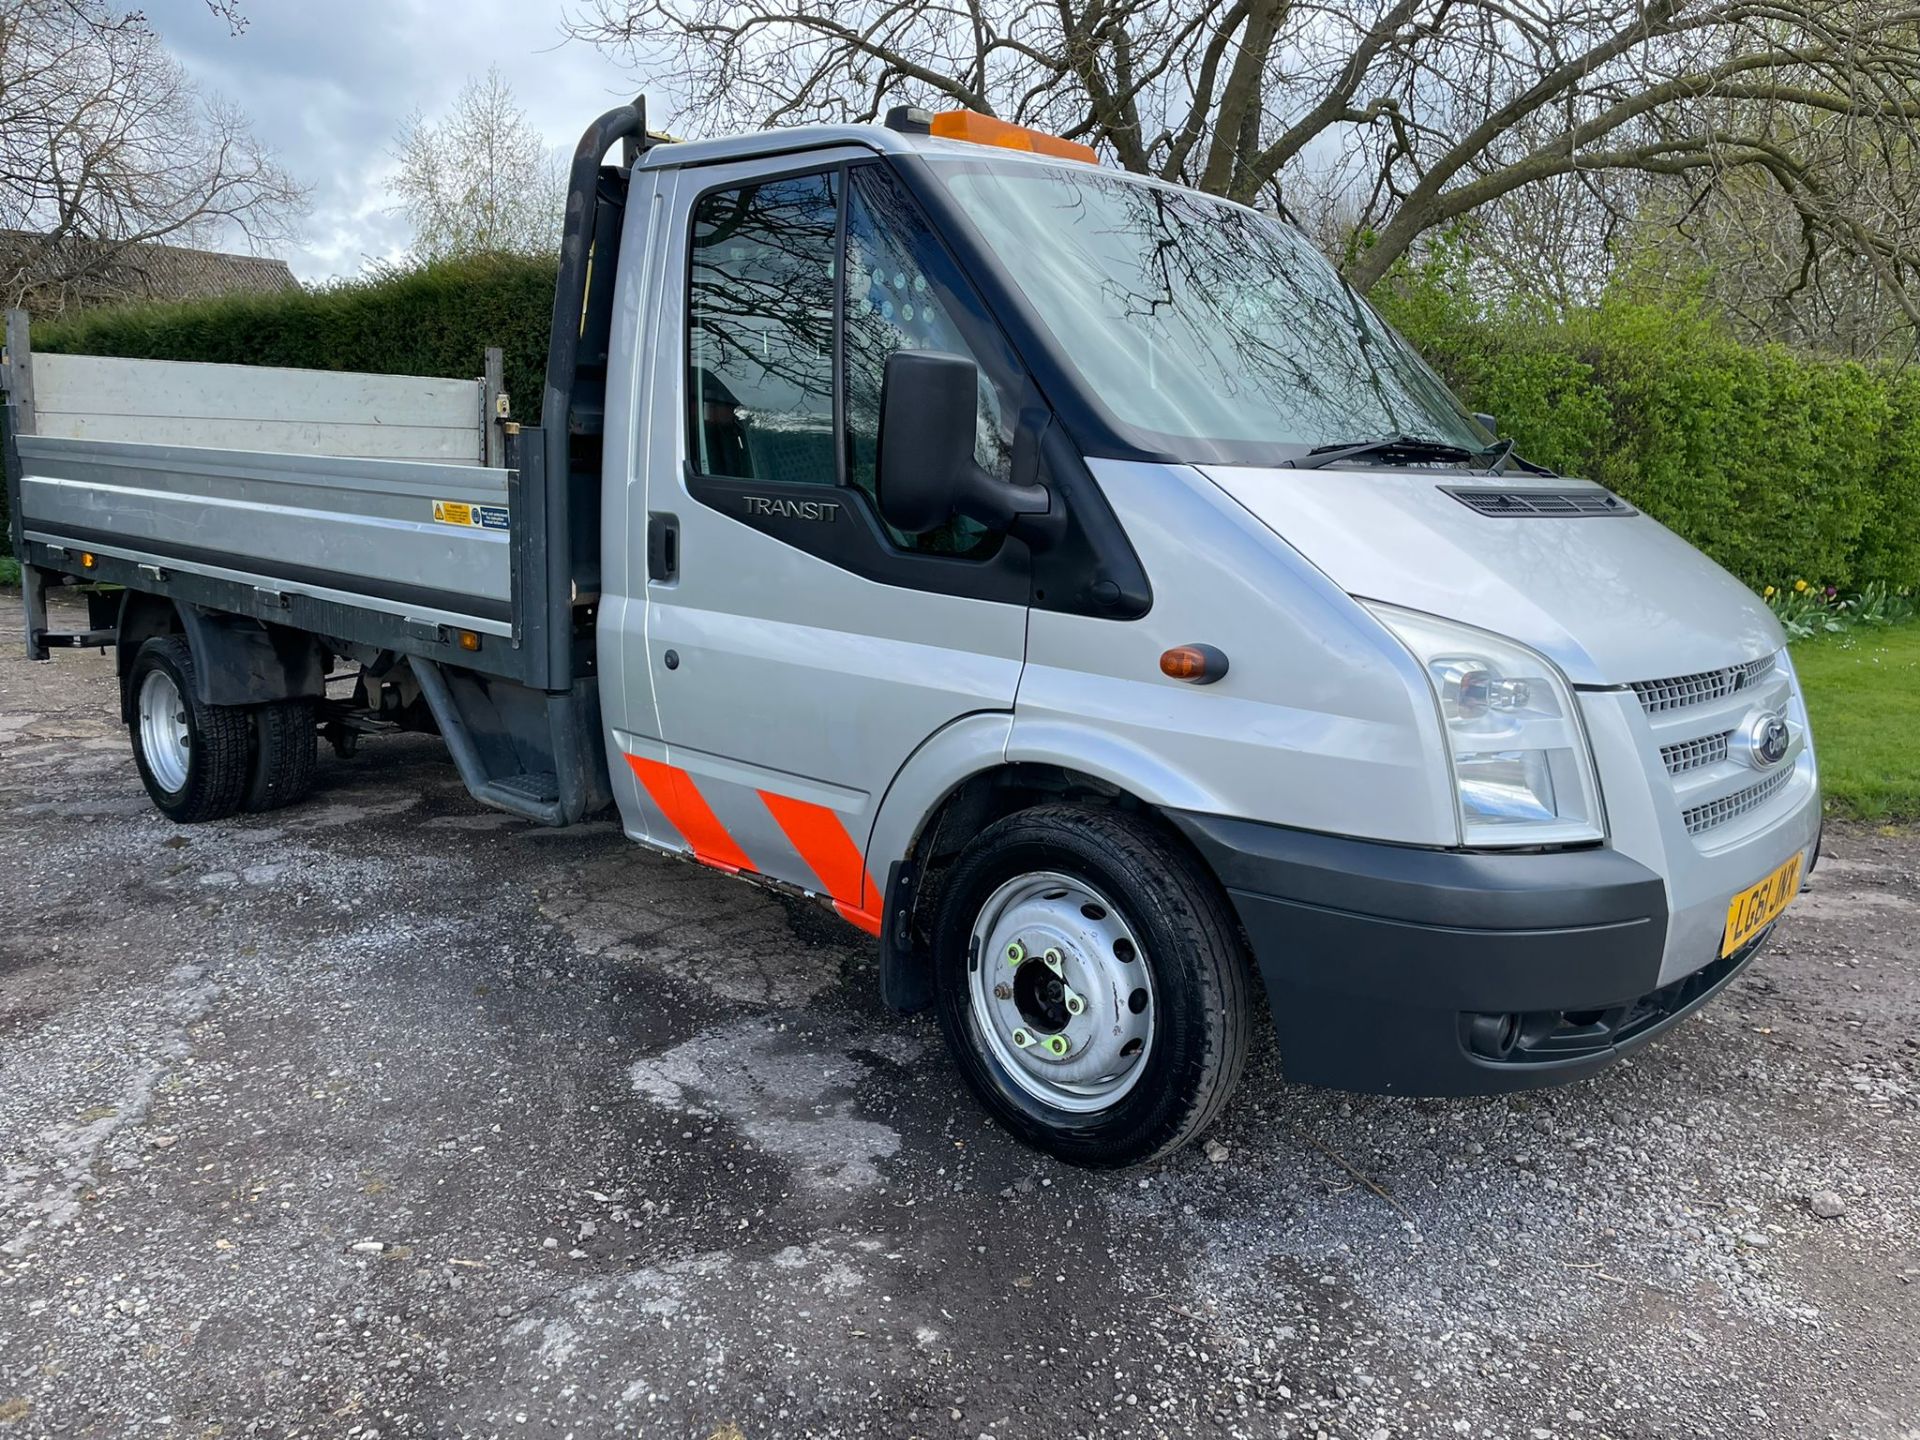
(1696, 753)
(1682, 690)
(1542, 503)
(1718, 812)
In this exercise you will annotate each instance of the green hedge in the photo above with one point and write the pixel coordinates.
(436, 320)
(1778, 465)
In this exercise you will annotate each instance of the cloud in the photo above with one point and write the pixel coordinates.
(327, 85)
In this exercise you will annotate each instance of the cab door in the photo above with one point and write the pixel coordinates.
(799, 649)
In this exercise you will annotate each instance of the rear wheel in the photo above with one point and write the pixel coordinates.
(1091, 984)
(285, 754)
(193, 758)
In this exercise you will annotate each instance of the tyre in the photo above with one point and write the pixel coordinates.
(1091, 983)
(193, 758)
(285, 754)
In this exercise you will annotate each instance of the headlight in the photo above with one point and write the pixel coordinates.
(1521, 765)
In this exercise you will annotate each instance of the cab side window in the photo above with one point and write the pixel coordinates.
(902, 291)
(760, 363)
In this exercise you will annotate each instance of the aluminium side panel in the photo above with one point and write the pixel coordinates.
(418, 540)
(260, 408)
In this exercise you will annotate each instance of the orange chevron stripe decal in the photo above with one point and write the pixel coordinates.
(814, 831)
(823, 842)
(673, 790)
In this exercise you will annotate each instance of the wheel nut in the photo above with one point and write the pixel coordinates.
(1052, 957)
(1075, 1005)
(1016, 952)
(1056, 1045)
(1022, 1039)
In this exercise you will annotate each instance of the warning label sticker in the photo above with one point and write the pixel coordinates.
(459, 512)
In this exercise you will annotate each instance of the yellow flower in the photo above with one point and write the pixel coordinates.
(1767, 594)
(1801, 586)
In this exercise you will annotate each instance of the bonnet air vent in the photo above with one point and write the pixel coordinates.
(1545, 504)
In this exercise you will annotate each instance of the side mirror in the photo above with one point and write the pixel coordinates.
(926, 472)
(1488, 423)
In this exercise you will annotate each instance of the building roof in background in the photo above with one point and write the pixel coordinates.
(73, 272)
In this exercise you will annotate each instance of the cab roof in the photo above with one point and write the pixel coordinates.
(801, 138)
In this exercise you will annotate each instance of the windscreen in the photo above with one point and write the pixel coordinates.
(1206, 330)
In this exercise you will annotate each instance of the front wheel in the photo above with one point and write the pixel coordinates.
(1092, 984)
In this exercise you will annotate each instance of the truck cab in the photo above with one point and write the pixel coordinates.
(1072, 582)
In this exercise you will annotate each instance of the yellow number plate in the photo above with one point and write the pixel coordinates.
(1758, 906)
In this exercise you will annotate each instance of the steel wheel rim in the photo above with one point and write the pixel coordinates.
(163, 730)
(1060, 991)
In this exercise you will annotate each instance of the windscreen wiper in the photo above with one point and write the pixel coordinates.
(1498, 455)
(1495, 457)
(1404, 447)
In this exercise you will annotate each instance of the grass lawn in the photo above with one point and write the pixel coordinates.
(1863, 692)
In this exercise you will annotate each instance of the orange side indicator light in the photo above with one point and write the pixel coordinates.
(87, 561)
(1196, 664)
(980, 129)
(469, 639)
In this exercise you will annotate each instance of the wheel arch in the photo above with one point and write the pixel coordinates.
(142, 617)
(918, 852)
(237, 660)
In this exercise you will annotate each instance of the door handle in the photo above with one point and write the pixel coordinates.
(663, 547)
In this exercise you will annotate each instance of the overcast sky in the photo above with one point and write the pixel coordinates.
(327, 83)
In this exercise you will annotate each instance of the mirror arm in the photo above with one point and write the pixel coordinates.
(1039, 530)
(1031, 516)
(1024, 511)
(995, 502)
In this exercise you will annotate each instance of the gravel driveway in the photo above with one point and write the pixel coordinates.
(389, 1115)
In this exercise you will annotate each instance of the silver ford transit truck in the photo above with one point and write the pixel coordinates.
(1064, 576)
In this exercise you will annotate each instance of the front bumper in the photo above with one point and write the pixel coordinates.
(1396, 970)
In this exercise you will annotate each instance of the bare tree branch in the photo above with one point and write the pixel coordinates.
(480, 180)
(106, 144)
(1403, 115)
